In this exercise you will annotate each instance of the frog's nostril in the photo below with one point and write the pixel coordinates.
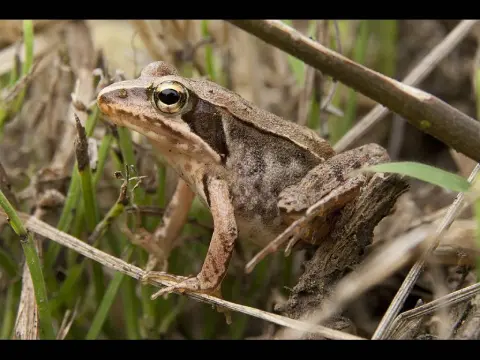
(104, 102)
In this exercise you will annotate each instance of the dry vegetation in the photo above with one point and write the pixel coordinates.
(338, 290)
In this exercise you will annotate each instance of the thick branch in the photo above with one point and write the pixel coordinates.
(342, 250)
(422, 110)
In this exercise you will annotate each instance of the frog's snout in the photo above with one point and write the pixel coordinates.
(104, 98)
(107, 104)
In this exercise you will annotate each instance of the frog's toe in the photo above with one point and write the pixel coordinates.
(189, 285)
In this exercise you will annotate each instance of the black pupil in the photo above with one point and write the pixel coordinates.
(169, 96)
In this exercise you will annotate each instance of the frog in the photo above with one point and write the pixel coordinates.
(255, 171)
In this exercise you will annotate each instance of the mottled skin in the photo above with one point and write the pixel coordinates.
(236, 157)
(326, 189)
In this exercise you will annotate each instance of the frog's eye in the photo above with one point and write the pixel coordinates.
(170, 97)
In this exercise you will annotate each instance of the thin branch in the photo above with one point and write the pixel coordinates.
(39, 227)
(155, 47)
(423, 110)
(44, 43)
(334, 86)
(447, 300)
(407, 285)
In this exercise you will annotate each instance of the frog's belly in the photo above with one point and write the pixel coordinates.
(256, 231)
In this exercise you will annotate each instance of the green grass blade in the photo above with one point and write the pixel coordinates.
(102, 157)
(72, 199)
(15, 72)
(297, 66)
(28, 60)
(476, 184)
(388, 34)
(28, 39)
(90, 205)
(6, 110)
(33, 262)
(107, 301)
(115, 211)
(8, 264)
(10, 309)
(424, 172)
(170, 317)
(128, 292)
(359, 55)
(68, 286)
(209, 58)
(477, 88)
(91, 209)
(92, 216)
(476, 208)
(66, 217)
(130, 304)
(314, 116)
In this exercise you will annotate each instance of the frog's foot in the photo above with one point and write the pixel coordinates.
(183, 284)
(186, 284)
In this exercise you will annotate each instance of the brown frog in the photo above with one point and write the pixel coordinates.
(255, 171)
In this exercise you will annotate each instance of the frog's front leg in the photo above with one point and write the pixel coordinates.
(221, 246)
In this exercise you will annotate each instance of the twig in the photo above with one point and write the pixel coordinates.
(21, 83)
(334, 86)
(305, 96)
(407, 285)
(67, 322)
(420, 72)
(45, 42)
(423, 110)
(447, 300)
(80, 50)
(115, 211)
(62, 238)
(397, 132)
(155, 47)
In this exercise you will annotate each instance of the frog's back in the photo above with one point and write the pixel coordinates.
(262, 119)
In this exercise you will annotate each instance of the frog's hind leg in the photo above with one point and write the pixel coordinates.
(335, 200)
(174, 218)
(324, 190)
